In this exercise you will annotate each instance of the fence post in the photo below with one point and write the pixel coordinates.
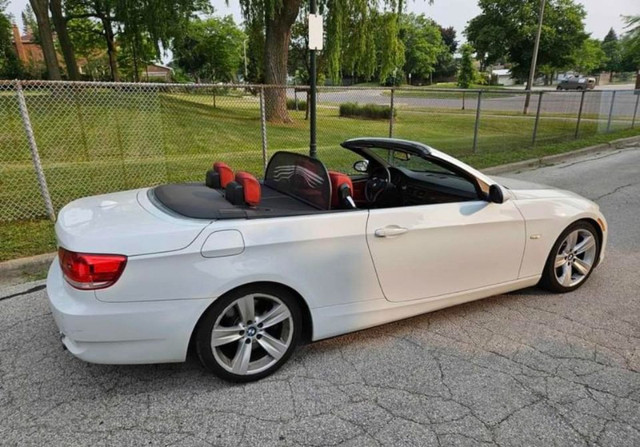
(35, 156)
(580, 113)
(477, 125)
(613, 99)
(391, 114)
(535, 125)
(635, 111)
(263, 129)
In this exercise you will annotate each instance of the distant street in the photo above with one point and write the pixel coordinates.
(597, 102)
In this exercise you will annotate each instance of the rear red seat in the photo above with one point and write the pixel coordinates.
(341, 190)
(220, 176)
(244, 190)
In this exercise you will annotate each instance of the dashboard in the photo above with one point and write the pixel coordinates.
(421, 188)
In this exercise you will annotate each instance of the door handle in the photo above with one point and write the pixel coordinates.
(390, 231)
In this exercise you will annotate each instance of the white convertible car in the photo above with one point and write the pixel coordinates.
(243, 270)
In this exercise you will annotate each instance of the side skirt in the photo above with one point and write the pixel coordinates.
(338, 320)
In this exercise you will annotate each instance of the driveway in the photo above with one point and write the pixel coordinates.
(527, 368)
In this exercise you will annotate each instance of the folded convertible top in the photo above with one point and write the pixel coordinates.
(197, 201)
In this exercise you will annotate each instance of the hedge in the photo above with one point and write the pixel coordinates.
(372, 111)
(291, 104)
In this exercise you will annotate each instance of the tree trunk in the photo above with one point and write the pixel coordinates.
(60, 24)
(276, 52)
(111, 49)
(41, 11)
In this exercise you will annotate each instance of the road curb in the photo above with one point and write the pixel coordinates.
(25, 264)
(621, 143)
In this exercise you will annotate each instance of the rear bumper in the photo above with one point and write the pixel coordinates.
(121, 333)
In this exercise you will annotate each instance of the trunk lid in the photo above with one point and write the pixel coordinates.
(123, 223)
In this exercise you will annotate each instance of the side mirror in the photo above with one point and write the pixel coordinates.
(361, 165)
(495, 194)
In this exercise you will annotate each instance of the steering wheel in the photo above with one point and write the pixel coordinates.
(377, 183)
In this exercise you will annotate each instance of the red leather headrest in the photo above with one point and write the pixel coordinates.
(337, 179)
(225, 172)
(251, 186)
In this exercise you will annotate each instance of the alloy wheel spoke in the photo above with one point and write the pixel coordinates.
(560, 261)
(566, 275)
(572, 240)
(586, 244)
(581, 266)
(274, 347)
(277, 314)
(240, 362)
(246, 307)
(223, 335)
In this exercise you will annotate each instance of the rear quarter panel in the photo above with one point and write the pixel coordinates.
(323, 257)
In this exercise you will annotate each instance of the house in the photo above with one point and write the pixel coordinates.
(157, 72)
(28, 51)
(502, 76)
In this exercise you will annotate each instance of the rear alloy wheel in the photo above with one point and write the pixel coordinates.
(572, 258)
(249, 333)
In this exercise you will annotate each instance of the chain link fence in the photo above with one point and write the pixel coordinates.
(61, 140)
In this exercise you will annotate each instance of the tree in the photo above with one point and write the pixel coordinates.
(137, 23)
(210, 49)
(630, 44)
(467, 73)
(589, 57)
(41, 11)
(60, 24)
(449, 38)
(10, 67)
(507, 29)
(612, 51)
(344, 19)
(423, 44)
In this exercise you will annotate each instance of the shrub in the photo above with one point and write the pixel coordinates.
(291, 104)
(372, 111)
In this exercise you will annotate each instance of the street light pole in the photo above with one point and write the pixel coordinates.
(313, 152)
(534, 58)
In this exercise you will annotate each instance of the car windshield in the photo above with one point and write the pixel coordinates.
(404, 160)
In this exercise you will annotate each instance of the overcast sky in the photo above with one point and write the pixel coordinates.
(601, 14)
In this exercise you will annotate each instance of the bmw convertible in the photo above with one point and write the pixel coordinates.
(241, 270)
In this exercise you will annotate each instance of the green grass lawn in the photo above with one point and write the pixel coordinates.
(106, 141)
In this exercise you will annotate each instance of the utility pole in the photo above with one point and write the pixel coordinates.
(313, 45)
(534, 58)
(244, 45)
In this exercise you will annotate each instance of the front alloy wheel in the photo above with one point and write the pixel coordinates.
(572, 258)
(249, 333)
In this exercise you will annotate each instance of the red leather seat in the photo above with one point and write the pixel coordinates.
(250, 189)
(220, 176)
(225, 172)
(341, 190)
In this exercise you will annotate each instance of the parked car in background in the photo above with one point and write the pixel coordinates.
(242, 270)
(577, 84)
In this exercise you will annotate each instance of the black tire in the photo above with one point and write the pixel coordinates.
(205, 327)
(549, 281)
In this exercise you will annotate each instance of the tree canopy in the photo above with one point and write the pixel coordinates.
(507, 29)
(424, 44)
(210, 50)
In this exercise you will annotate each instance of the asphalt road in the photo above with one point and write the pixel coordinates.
(527, 368)
(597, 102)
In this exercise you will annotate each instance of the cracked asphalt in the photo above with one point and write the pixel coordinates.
(526, 368)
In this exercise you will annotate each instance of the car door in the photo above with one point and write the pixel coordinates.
(425, 251)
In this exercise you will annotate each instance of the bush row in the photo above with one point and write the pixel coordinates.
(291, 104)
(373, 111)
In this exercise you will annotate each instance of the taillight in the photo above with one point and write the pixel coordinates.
(88, 271)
